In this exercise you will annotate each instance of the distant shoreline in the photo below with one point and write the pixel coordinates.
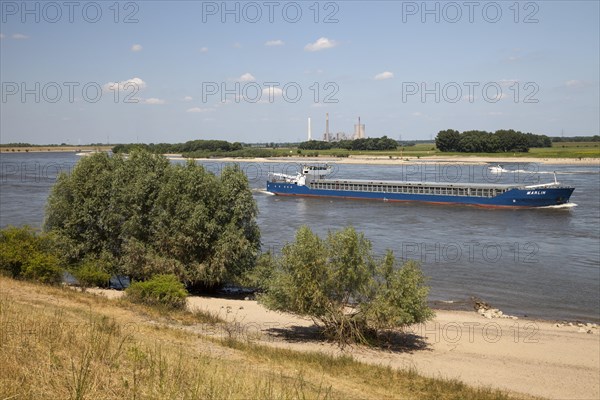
(353, 159)
(381, 160)
(53, 149)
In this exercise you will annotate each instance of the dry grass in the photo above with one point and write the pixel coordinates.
(59, 343)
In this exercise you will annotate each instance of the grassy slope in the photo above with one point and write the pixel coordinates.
(58, 343)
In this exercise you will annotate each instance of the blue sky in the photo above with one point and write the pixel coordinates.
(157, 71)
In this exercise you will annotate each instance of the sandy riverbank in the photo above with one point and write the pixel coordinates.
(380, 160)
(354, 159)
(53, 149)
(525, 356)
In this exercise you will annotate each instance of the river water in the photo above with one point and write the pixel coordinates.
(544, 263)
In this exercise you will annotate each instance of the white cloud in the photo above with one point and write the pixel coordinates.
(417, 114)
(19, 36)
(321, 44)
(237, 45)
(129, 84)
(269, 94)
(153, 101)
(198, 110)
(494, 113)
(384, 75)
(2, 36)
(136, 47)
(204, 50)
(247, 77)
(188, 98)
(274, 43)
(575, 84)
(507, 82)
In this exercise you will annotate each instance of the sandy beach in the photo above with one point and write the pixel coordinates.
(540, 358)
(381, 160)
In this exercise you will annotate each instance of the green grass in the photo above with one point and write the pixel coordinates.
(558, 150)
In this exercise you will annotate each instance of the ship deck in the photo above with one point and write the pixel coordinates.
(496, 186)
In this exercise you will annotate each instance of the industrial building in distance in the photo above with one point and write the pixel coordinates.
(359, 132)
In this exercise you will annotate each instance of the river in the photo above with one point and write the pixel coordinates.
(543, 263)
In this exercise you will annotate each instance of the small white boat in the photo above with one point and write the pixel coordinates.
(87, 153)
(497, 169)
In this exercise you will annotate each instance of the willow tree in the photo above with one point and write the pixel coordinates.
(348, 292)
(144, 216)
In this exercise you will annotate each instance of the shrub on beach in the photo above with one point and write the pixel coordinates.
(92, 272)
(161, 290)
(24, 254)
(349, 293)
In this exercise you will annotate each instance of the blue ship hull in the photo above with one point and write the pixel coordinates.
(513, 197)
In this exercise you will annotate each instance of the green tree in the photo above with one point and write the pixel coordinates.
(447, 140)
(347, 292)
(150, 217)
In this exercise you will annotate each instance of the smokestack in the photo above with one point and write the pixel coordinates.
(327, 127)
(360, 133)
(309, 130)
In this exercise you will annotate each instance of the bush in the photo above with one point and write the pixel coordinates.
(349, 293)
(92, 273)
(43, 268)
(260, 276)
(16, 245)
(26, 255)
(161, 290)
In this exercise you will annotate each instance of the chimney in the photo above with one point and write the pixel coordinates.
(309, 130)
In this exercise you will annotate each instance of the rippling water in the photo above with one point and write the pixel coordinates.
(540, 262)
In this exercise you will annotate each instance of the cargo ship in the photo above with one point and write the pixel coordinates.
(312, 181)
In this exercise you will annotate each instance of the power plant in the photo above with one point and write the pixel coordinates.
(326, 137)
(359, 132)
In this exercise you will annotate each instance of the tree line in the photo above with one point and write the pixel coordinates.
(382, 143)
(487, 142)
(187, 147)
(558, 139)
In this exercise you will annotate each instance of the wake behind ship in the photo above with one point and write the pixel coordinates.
(312, 182)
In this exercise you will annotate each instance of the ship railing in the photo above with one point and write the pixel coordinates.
(279, 177)
(409, 189)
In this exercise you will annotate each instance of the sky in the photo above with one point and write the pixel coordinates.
(157, 71)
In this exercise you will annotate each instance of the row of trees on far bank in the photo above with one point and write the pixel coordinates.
(488, 142)
(382, 143)
(221, 146)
